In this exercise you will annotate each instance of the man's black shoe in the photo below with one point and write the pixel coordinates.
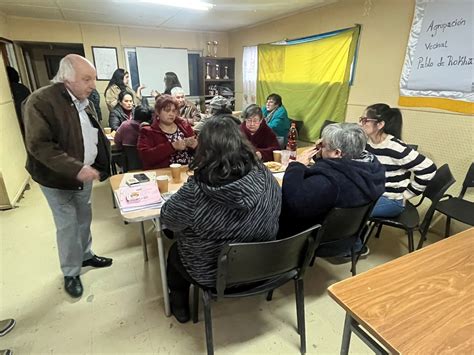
(73, 286)
(97, 261)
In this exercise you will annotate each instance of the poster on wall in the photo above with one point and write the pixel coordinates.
(105, 61)
(438, 70)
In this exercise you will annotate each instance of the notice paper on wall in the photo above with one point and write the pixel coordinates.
(443, 57)
(439, 67)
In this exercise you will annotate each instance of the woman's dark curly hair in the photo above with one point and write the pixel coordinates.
(223, 153)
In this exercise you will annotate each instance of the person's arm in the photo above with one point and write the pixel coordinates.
(195, 113)
(280, 123)
(111, 97)
(269, 144)
(40, 142)
(118, 137)
(178, 212)
(307, 197)
(114, 121)
(151, 152)
(424, 170)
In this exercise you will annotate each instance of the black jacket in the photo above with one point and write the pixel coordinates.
(117, 116)
(310, 193)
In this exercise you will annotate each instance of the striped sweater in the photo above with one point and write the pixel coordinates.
(206, 218)
(400, 161)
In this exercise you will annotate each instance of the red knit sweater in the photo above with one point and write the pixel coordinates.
(264, 140)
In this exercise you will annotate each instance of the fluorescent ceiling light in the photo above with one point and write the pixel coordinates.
(186, 4)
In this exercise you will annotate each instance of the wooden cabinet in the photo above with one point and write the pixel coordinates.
(217, 77)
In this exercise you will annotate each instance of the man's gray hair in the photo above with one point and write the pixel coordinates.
(177, 90)
(349, 138)
(66, 71)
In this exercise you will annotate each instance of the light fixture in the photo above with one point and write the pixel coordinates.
(186, 4)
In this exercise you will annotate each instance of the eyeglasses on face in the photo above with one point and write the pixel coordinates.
(364, 120)
(252, 121)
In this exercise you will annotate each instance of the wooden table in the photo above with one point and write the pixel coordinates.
(420, 303)
(153, 215)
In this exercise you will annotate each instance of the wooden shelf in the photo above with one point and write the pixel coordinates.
(221, 84)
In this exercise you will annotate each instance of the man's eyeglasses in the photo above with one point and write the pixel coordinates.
(364, 120)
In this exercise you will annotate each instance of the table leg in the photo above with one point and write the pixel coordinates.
(145, 251)
(164, 279)
(346, 335)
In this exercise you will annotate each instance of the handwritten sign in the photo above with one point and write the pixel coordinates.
(443, 58)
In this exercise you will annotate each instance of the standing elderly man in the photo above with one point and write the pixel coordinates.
(66, 151)
(187, 110)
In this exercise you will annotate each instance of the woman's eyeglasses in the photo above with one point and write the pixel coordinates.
(364, 120)
(252, 121)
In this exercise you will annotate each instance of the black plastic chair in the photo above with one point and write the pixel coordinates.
(345, 224)
(131, 160)
(457, 207)
(409, 219)
(267, 264)
(326, 123)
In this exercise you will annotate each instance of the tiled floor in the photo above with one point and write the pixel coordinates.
(121, 311)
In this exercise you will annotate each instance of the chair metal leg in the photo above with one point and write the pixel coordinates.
(411, 247)
(353, 261)
(346, 335)
(195, 304)
(270, 295)
(311, 263)
(114, 205)
(145, 251)
(379, 230)
(447, 231)
(206, 298)
(299, 290)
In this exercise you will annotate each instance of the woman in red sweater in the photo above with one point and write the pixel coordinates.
(168, 140)
(258, 133)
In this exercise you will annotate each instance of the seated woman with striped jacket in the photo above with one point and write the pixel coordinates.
(230, 198)
(383, 126)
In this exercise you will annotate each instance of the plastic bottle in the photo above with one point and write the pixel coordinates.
(292, 138)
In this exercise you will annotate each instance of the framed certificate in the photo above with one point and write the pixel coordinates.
(105, 61)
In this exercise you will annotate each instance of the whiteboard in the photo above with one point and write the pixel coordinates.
(443, 58)
(153, 63)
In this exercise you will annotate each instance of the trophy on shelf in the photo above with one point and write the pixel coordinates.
(209, 48)
(217, 72)
(208, 76)
(215, 43)
(226, 76)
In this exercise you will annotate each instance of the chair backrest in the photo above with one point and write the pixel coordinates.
(131, 160)
(251, 262)
(413, 146)
(344, 223)
(326, 122)
(468, 181)
(435, 189)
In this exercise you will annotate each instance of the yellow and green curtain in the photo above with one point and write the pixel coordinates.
(311, 76)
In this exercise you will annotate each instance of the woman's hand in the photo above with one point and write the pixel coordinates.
(307, 155)
(191, 142)
(258, 154)
(179, 144)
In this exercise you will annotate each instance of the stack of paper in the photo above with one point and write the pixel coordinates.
(137, 197)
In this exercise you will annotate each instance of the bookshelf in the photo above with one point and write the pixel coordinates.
(214, 79)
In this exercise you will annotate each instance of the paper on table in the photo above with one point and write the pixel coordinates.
(139, 197)
(279, 176)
